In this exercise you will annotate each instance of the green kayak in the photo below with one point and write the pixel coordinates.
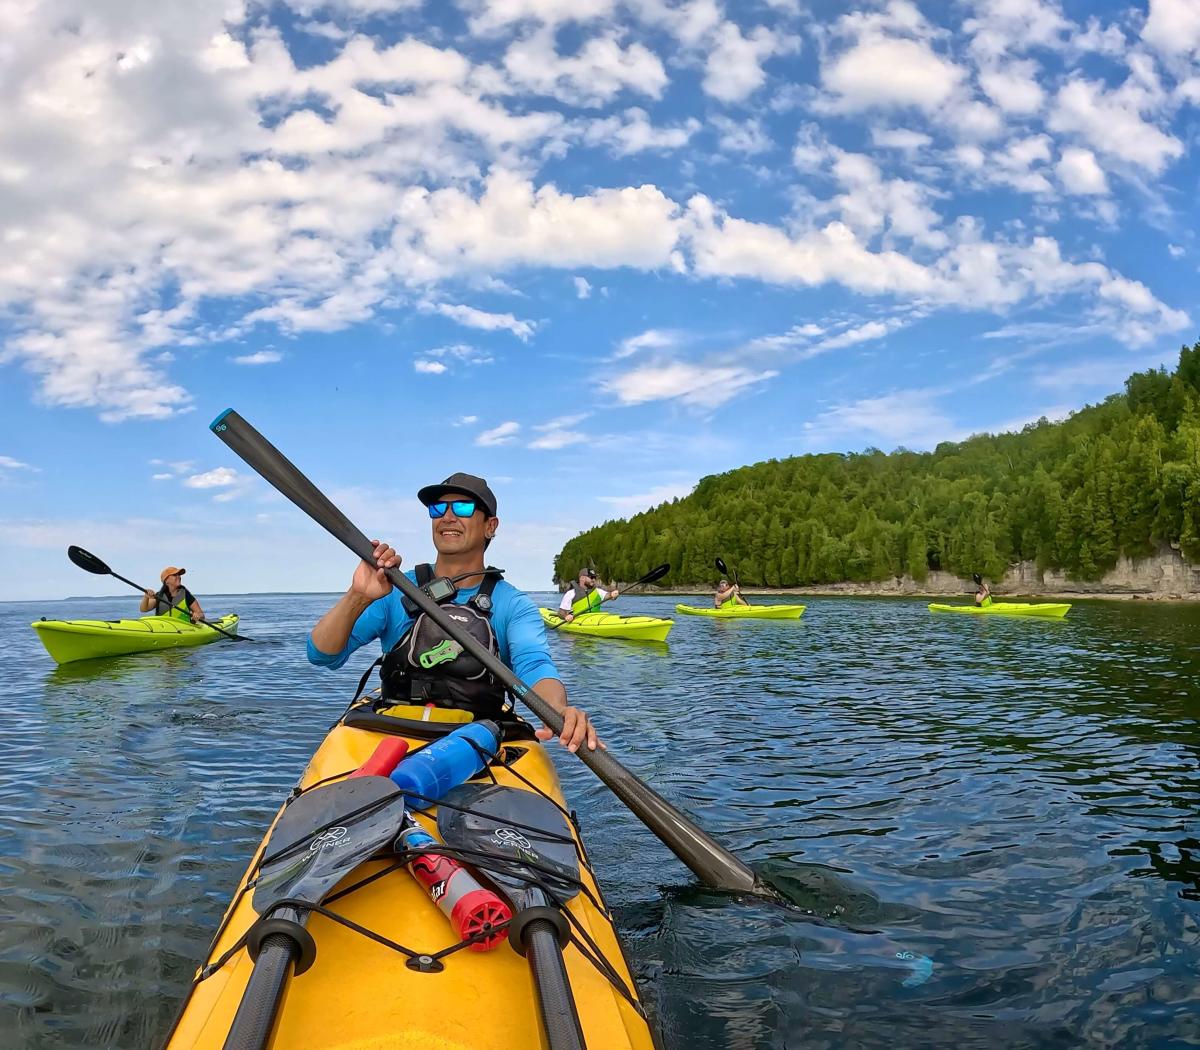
(1006, 609)
(609, 625)
(70, 640)
(745, 612)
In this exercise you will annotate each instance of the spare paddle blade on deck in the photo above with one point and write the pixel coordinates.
(535, 862)
(323, 835)
(318, 840)
(527, 835)
(87, 561)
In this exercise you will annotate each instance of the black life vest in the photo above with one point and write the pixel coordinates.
(427, 666)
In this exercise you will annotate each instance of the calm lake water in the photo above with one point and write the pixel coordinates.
(992, 823)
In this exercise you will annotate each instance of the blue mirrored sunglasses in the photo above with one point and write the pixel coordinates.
(463, 508)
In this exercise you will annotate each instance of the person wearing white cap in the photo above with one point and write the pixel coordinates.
(420, 664)
(172, 598)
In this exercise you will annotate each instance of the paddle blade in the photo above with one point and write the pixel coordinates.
(526, 833)
(653, 575)
(722, 568)
(87, 561)
(322, 836)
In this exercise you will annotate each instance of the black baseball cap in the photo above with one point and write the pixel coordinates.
(465, 483)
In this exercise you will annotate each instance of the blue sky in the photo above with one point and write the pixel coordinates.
(590, 249)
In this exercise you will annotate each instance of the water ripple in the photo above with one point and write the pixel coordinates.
(989, 827)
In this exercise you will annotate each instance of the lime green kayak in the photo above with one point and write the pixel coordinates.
(70, 640)
(745, 612)
(1006, 609)
(609, 625)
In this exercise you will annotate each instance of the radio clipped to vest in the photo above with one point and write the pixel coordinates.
(426, 666)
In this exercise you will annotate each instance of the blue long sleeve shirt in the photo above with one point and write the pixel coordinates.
(515, 619)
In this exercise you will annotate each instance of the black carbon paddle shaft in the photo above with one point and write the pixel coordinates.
(255, 1017)
(560, 1018)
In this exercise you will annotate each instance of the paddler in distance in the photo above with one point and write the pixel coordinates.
(172, 598)
(584, 595)
(423, 665)
(983, 593)
(728, 594)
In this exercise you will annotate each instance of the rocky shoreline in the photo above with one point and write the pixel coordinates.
(1163, 576)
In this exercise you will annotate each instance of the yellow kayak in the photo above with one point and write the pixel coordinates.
(70, 640)
(361, 993)
(745, 612)
(1006, 609)
(609, 625)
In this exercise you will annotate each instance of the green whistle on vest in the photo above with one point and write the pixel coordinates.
(442, 653)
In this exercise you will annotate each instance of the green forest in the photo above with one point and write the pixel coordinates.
(1119, 477)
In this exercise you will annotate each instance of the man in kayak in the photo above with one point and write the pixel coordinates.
(584, 596)
(728, 594)
(983, 594)
(426, 665)
(172, 598)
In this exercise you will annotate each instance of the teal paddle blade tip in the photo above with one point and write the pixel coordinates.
(215, 424)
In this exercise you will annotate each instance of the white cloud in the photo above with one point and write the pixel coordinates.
(259, 357)
(723, 246)
(470, 317)
(1002, 27)
(439, 359)
(863, 333)
(487, 16)
(583, 289)
(651, 339)
(741, 136)
(900, 138)
(733, 70)
(514, 224)
(891, 72)
(1014, 87)
(351, 7)
(872, 205)
(1112, 123)
(911, 418)
(1079, 172)
(218, 477)
(558, 433)
(1173, 26)
(465, 421)
(161, 477)
(9, 463)
(504, 434)
(651, 498)
(595, 75)
(631, 132)
(1175, 251)
(703, 386)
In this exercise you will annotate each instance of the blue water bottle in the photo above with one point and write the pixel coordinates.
(427, 775)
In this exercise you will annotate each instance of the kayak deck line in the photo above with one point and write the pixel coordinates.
(385, 954)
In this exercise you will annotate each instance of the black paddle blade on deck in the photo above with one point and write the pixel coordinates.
(527, 833)
(323, 836)
(87, 561)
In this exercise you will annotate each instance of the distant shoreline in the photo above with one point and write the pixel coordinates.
(866, 591)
